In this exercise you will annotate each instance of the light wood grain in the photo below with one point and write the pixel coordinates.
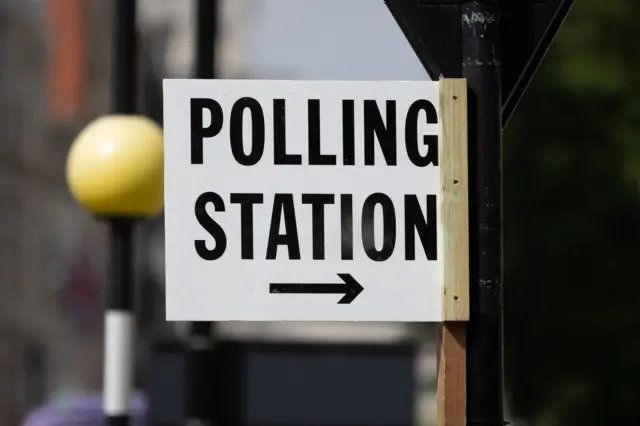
(451, 392)
(455, 198)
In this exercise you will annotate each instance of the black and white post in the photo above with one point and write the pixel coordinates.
(119, 315)
(119, 325)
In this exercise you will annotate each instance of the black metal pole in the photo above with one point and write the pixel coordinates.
(124, 57)
(119, 315)
(200, 338)
(206, 32)
(482, 69)
(119, 294)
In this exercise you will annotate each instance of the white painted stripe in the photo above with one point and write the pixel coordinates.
(118, 362)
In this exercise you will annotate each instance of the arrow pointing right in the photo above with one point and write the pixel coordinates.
(351, 288)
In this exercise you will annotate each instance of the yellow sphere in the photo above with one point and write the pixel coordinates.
(115, 167)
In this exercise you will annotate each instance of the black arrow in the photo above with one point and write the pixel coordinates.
(351, 288)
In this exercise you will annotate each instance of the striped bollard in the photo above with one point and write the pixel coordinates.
(115, 171)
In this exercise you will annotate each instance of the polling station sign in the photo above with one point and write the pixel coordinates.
(314, 200)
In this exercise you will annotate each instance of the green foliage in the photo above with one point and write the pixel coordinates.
(572, 226)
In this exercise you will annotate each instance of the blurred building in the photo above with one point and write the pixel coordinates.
(54, 78)
(51, 253)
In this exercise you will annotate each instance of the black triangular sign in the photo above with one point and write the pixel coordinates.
(528, 27)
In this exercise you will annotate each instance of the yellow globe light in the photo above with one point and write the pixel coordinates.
(115, 167)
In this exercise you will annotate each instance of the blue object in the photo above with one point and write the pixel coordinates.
(83, 410)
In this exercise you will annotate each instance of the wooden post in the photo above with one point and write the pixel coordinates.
(451, 392)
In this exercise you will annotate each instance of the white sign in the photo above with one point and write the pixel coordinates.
(302, 201)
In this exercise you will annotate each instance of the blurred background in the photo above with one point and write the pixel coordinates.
(571, 196)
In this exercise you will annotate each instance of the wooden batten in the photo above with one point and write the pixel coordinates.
(451, 385)
(455, 198)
